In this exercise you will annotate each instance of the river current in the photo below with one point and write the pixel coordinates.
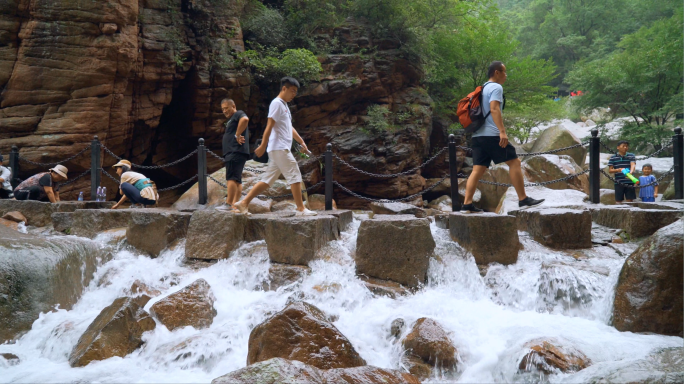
(564, 295)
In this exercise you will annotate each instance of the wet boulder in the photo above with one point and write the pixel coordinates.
(213, 235)
(15, 216)
(153, 230)
(491, 238)
(255, 229)
(302, 332)
(557, 137)
(384, 288)
(556, 227)
(551, 356)
(90, 222)
(397, 209)
(279, 370)
(116, 331)
(429, 344)
(191, 306)
(344, 218)
(39, 214)
(396, 248)
(543, 168)
(636, 222)
(37, 273)
(298, 239)
(282, 275)
(660, 366)
(648, 296)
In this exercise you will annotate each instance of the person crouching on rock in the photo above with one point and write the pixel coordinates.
(5, 177)
(277, 141)
(42, 186)
(235, 149)
(135, 186)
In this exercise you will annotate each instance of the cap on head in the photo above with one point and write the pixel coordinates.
(122, 163)
(60, 170)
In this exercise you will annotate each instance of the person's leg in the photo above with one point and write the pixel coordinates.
(232, 192)
(296, 189)
(619, 194)
(630, 194)
(34, 193)
(290, 169)
(471, 184)
(238, 195)
(131, 193)
(271, 174)
(515, 172)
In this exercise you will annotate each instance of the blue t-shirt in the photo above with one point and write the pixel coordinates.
(647, 191)
(491, 92)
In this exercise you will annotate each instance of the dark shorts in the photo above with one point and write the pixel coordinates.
(235, 164)
(5, 194)
(486, 149)
(624, 193)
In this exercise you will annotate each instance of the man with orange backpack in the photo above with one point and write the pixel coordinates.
(480, 114)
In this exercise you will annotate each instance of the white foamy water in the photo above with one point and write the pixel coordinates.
(562, 295)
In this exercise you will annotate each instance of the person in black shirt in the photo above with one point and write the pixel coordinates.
(235, 149)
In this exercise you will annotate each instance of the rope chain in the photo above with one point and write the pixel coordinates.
(671, 171)
(541, 183)
(654, 154)
(87, 171)
(408, 172)
(178, 185)
(53, 164)
(410, 197)
(553, 150)
(182, 159)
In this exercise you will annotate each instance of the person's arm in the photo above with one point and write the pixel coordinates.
(123, 198)
(299, 139)
(264, 140)
(495, 111)
(632, 167)
(56, 195)
(242, 125)
(50, 194)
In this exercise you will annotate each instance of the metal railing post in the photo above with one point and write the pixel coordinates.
(678, 157)
(328, 177)
(202, 172)
(95, 174)
(595, 167)
(14, 165)
(453, 174)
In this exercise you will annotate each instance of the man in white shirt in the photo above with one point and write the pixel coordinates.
(5, 178)
(277, 141)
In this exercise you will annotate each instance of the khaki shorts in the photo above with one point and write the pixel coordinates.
(282, 162)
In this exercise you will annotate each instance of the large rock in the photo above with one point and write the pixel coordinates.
(669, 193)
(37, 273)
(15, 216)
(557, 137)
(606, 196)
(550, 356)
(397, 209)
(429, 342)
(384, 288)
(116, 331)
(90, 222)
(556, 227)
(256, 225)
(283, 275)
(317, 202)
(344, 218)
(491, 238)
(39, 214)
(648, 296)
(153, 230)
(491, 194)
(302, 332)
(543, 168)
(395, 247)
(214, 234)
(297, 240)
(279, 370)
(442, 204)
(635, 221)
(660, 366)
(191, 306)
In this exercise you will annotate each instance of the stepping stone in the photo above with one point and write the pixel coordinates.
(151, 230)
(297, 240)
(491, 238)
(344, 217)
(90, 222)
(39, 214)
(556, 228)
(255, 229)
(397, 209)
(213, 235)
(635, 221)
(396, 248)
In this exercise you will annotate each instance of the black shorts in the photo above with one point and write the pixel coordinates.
(624, 193)
(235, 164)
(486, 149)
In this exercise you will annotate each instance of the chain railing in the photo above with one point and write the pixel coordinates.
(382, 175)
(552, 151)
(634, 186)
(407, 198)
(640, 158)
(171, 164)
(39, 164)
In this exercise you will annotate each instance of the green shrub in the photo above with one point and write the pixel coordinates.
(377, 118)
(265, 26)
(270, 66)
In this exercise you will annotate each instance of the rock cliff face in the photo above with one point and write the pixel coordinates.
(147, 77)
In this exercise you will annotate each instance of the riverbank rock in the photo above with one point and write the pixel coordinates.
(282, 275)
(191, 306)
(648, 296)
(15, 216)
(543, 168)
(636, 222)
(214, 234)
(397, 209)
(302, 332)
(442, 204)
(90, 222)
(344, 218)
(491, 238)
(256, 224)
(279, 370)
(556, 227)
(396, 248)
(557, 137)
(551, 356)
(153, 230)
(430, 343)
(39, 214)
(491, 194)
(297, 240)
(37, 273)
(116, 331)
(661, 366)
(384, 287)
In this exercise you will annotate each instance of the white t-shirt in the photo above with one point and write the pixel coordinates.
(281, 133)
(6, 174)
(491, 92)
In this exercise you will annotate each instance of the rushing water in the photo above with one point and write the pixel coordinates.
(562, 295)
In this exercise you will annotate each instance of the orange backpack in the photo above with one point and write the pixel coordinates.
(469, 110)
